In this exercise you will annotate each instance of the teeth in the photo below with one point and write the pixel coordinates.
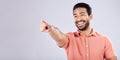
(80, 22)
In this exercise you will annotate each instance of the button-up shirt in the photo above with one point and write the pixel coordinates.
(95, 46)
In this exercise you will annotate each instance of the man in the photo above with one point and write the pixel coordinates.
(85, 43)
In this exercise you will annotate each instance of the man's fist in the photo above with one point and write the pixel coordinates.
(44, 26)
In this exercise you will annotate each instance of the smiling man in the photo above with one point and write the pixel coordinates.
(85, 43)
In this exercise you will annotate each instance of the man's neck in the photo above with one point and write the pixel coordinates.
(86, 32)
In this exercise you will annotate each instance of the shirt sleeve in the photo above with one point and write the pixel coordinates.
(66, 45)
(109, 52)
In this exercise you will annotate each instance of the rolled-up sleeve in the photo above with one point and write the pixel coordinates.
(109, 52)
(67, 40)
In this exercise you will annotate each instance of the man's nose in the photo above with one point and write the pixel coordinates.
(79, 18)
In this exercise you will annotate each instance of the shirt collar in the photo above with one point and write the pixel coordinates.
(93, 33)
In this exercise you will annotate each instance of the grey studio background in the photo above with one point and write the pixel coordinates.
(20, 38)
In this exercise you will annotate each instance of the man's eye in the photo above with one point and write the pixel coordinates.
(75, 16)
(82, 15)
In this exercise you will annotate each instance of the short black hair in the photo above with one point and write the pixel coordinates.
(83, 5)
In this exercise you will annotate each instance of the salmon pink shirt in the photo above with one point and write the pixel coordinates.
(92, 47)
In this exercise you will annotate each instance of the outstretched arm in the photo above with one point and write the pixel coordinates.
(54, 32)
(112, 58)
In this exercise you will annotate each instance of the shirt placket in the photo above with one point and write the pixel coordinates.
(86, 48)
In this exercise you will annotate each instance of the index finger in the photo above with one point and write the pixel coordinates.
(45, 22)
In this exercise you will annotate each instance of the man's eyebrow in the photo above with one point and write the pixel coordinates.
(79, 13)
(82, 12)
(74, 14)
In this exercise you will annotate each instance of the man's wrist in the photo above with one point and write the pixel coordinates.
(51, 27)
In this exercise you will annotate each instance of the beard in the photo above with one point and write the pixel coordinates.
(82, 25)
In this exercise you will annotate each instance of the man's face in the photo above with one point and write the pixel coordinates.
(81, 18)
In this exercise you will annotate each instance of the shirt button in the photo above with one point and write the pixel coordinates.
(86, 46)
(87, 54)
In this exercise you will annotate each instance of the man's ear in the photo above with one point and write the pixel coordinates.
(90, 16)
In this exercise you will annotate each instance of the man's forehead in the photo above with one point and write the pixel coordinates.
(81, 10)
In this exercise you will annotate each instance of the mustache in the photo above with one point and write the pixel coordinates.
(80, 21)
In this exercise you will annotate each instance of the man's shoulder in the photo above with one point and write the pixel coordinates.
(74, 33)
(100, 35)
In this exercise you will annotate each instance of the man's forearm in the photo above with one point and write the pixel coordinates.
(57, 35)
(112, 58)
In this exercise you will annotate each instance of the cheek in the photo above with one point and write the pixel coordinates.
(75, 20)
(86, 17)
